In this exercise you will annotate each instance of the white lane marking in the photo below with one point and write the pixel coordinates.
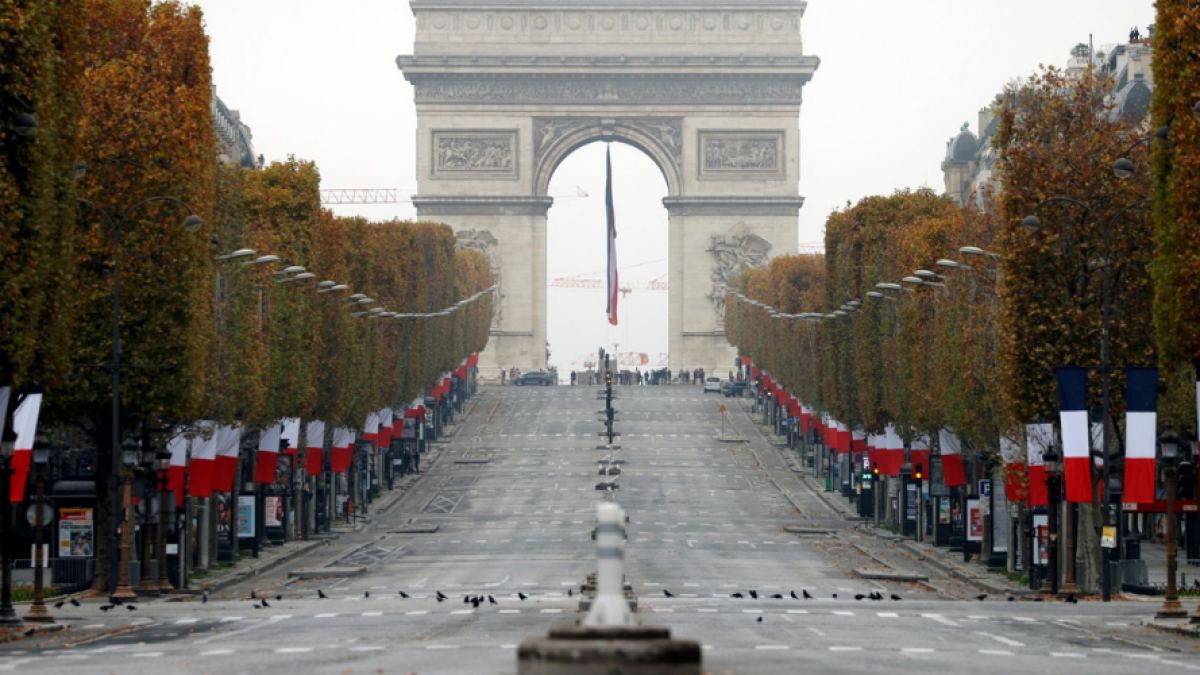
(941, 619)
(707, 610)
(419, 612)
(771, 647)
(817, 631)
(330, 615)
(551, 611)
(367, 649)
(508, 646)
(442, 646)
(797, 611)
(889, 615)
(463, 611)
(1026, 619)
(1067, 655)
(231, 618)
(845, 649)
(752, 611)
(150, 655)
(844, 613)
(995, 652)
(293, 650)
(217, 652)
(372, 613)
(510, 611)
(1001, 639)
(917, 650)
(182, 622)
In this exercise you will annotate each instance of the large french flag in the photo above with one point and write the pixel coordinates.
(343, 443)
(267, 457)
(612, 240)
(314, 441)
(25, 421)
(229, 444)
(177, 474)
(1076, 436)
(1039, 439)
(1141, 420)
(204, 457)
(1015, 466)
(952, 464)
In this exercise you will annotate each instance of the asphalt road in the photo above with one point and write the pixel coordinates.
(513, 496)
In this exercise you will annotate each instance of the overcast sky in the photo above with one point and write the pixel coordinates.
(317, 79)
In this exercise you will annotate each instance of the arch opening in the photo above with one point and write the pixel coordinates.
(576, 259)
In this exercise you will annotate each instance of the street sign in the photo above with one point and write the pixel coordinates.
(1108, 538)
(985, 488)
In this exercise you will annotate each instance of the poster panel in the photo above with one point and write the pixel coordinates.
(76, 533)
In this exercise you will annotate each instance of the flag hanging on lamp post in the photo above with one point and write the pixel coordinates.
(1076, 433)
(1141, 437)
(952, 464)
(1039, 439)
(229, 444)
(178, 447)
(612, 240)
(314, 441)
(268, 454)
(25, 420)
(204, 458)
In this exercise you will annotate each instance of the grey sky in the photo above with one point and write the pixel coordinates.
(317, 79)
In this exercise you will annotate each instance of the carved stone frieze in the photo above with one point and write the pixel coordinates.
(778, 24)
(737, 250)
(741, 91)
(742, 155)
(487, 244)
(475, 154)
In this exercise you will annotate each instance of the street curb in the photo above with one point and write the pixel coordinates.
(1187, 631)
(990, 585)
(236, 577)
(891, 576)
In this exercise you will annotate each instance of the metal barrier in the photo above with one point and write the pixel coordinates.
(1135, 576)
(69, 575)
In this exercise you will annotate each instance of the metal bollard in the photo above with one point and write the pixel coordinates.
(610, 608)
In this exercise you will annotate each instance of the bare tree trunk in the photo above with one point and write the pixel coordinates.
(1089, 547)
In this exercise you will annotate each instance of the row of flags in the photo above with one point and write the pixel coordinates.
(206, 458)
(1023, 458)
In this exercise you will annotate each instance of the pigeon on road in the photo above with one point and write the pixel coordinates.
(492, 600)
(404, 595)
(441, 596)
(777, 596)
(760, 619)
(204, 598)
(860, 596)
(895, 597)
(794, 596)
(279, 597)
(570, 593)
(264, 603)
(754, 594)
(667, 593)
(105, 608)
(321, 594)
(739, 596)
(59, 604)
(522, 595)
(75, 602)
(366, 594)
(981, 596)
(806, 595)
(131, 607)
(253, 595)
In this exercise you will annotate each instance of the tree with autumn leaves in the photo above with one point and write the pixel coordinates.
(122, 94)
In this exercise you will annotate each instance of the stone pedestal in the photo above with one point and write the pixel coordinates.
(632, 650)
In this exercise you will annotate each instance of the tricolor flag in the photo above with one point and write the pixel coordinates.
(204, 457)
(314, 441)
(178, 447)
(920, 455)
(612, 241)
(385, 428)
(343, 443)
(267, 457)
(1039, 439)
(952, 464)
(25, 421)
(291, 434)
(1072, 403)
(1015, 489)
(894, 452)
(229, 444)
(1141, 420)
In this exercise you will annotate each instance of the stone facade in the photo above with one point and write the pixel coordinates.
(708, 89)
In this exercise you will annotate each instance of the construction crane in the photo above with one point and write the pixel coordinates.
(337, 196)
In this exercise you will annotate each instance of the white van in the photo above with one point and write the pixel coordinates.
(712, 384)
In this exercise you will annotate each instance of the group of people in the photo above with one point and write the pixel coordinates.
(410, 458)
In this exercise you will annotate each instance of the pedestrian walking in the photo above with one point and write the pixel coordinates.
(503, 373)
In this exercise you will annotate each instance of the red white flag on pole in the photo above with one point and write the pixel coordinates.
(920, 456)
(267, 458)
(25, 421)
(1141, 419)
(229, 444)
(291, 434)
(1015, 467)
(314, 441)
(1039, 439)
(204, 456)
(178, 447)
(894, 452)
(952, 464)
(1076, 437)
(612, 240)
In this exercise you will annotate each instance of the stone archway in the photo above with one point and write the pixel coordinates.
(709, 89)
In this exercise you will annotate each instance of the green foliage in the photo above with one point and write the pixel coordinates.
(40, 67)
(1176, 265)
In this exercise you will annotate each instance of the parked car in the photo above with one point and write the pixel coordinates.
(534, 377)
(731, 388)
(712, 384)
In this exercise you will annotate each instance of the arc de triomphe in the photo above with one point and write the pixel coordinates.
(709, 89)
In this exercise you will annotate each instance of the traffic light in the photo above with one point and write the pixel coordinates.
(918, 472)
(875, 468)
(1186, 481)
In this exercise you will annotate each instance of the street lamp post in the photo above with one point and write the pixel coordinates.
(1033, 224)
(192, 223)
(148, 585)
(1171, 609)
(124, 592)
(37, 611)
(8, 617)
